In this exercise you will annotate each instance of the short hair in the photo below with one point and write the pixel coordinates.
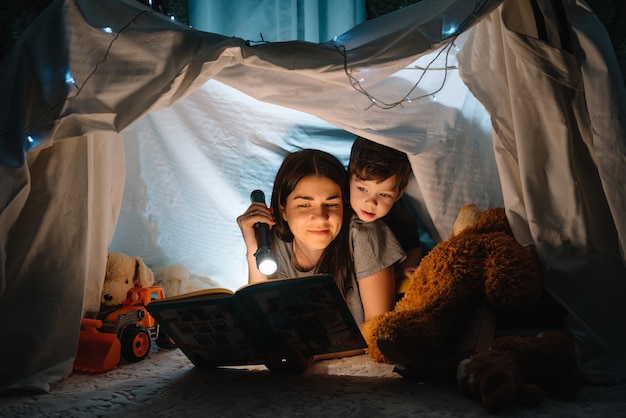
(373, 161)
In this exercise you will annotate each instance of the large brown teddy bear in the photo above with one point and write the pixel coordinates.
(522, 370)
(481, 263)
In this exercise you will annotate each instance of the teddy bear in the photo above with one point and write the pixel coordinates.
(123, 272)
(480, 264)
(522, 370)
(176, 279)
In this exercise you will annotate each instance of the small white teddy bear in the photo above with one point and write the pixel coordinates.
(177, 280)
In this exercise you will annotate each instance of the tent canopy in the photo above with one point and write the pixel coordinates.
(123, 130)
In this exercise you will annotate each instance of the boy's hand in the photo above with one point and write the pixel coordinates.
(408, 272)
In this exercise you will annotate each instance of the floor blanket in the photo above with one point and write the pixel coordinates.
(166, 384)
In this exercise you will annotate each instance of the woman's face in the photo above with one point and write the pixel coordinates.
(314, 212)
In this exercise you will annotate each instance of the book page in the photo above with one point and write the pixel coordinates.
(214, 292)
(211, 334)
(309, 312)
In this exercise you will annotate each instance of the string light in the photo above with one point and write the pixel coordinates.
(356, 84)
(70, 80)
(451, 30)
(253, 43)
(454, 31)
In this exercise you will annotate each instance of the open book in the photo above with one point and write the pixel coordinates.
(218, 327)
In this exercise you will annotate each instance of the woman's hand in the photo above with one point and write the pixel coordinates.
(256, 213)
(290, 360)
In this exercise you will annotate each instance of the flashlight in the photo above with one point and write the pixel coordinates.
(265, 260)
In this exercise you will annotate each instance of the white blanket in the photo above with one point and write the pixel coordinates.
(123, 130)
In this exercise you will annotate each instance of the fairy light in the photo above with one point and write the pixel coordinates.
(450, 31)
(454, 31)
(31, 141)
(69, 79)
(356, 83)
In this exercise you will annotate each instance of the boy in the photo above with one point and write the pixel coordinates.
(379, 176)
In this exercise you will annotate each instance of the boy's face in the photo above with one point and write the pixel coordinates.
(371, 200)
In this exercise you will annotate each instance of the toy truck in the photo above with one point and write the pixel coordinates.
(126, 332)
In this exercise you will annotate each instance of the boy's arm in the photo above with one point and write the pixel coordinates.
(403, 223)
(378, 292)
(407, 267)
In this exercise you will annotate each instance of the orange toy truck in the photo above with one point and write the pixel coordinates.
(126, 332)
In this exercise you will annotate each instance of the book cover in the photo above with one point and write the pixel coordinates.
(218, 327)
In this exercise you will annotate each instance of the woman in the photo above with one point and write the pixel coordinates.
(311, 233)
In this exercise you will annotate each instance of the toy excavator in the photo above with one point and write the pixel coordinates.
(126, 332)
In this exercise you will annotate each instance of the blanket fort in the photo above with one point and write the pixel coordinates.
(122, 130)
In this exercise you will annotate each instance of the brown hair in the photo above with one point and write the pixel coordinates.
(372, 161)
(336, 259)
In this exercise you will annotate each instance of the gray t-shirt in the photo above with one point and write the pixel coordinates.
(373, 246)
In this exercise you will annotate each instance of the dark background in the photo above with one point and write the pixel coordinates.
(16, 15)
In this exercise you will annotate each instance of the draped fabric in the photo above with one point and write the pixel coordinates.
(123, 130)
(559, 136)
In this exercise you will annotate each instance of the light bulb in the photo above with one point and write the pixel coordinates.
(265, 262)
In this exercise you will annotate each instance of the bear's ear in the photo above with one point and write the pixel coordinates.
(143, 273)
(497, 389)
(468, 216)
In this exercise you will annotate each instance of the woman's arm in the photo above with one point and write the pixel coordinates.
(378, 292)
(256, 212)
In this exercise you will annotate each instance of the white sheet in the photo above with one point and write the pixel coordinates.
(560, 144)
(196, 162)
(195, 148)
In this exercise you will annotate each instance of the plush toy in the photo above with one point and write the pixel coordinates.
(481, 263)
(176, 280)
(123, 272)
(522, 370)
